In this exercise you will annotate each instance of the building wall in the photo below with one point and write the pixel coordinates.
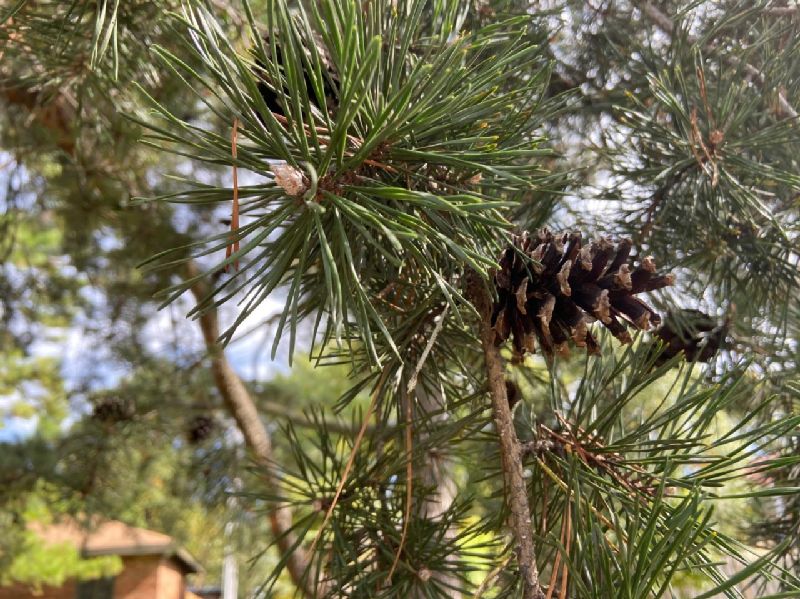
(139, 578)
(170, 581)
(142, 577)
(18, 591)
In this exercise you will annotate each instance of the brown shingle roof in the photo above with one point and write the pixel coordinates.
(115, 538)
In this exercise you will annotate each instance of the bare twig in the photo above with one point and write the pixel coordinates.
(568, 539)
(551, 585)
(279, 409)
(490, 577)
(659, 18)
(658, 198)
(782, 11)
(237, 398)
(509, 446)
(409, 485)
(243, 409)
(571, 495)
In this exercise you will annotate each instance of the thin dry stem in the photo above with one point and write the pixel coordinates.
(412, 385)
(233, 246)
(243, 409)
(667, 26)
(349, 466)
(510, 450)
(551, 585)
(490, 577)
(409, 488)
(568, 539)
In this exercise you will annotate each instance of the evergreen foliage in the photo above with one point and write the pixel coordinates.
(386, 157)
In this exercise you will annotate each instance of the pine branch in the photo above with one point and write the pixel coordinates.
(54, 114)
(230, 386)
(664, 23)
(510, 448)
(782, 11)
(243, 409)
(233, 391)
(297, 418)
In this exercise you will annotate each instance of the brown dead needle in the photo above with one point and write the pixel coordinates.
(233, 246)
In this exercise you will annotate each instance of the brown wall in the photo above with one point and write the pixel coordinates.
(142, 577)
(65, 591)
(138, 579)
(170, 580)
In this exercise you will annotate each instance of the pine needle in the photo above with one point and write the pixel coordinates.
(551, 585)
(568, 538)
(412, 385)
(233, 246)
(349, 466)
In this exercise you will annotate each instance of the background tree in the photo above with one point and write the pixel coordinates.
(384, 153)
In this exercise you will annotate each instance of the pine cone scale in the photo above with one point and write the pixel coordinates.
(551, 287)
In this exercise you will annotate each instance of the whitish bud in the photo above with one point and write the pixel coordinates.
(290, 179)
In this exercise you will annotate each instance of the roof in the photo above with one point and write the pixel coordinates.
(112, 537)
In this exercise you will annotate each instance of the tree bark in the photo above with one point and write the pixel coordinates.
(232, 389)
(243, 409)
(437, 472)
(510, 449)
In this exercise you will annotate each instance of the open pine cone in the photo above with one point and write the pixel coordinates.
(552, 286)
(691, 332)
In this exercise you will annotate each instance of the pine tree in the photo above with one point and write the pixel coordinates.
(453, 195)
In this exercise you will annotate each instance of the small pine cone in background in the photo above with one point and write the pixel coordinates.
(113, 409)
(552, 286)
(267, 88)
(691, 332)
(200, 428)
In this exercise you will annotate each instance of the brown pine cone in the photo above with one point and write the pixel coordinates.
(200, 428)
(113, 409)
(691, 332)
(552, 286)
(267, 88)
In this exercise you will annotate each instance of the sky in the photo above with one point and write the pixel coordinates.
(168, 333)
(249, 354)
